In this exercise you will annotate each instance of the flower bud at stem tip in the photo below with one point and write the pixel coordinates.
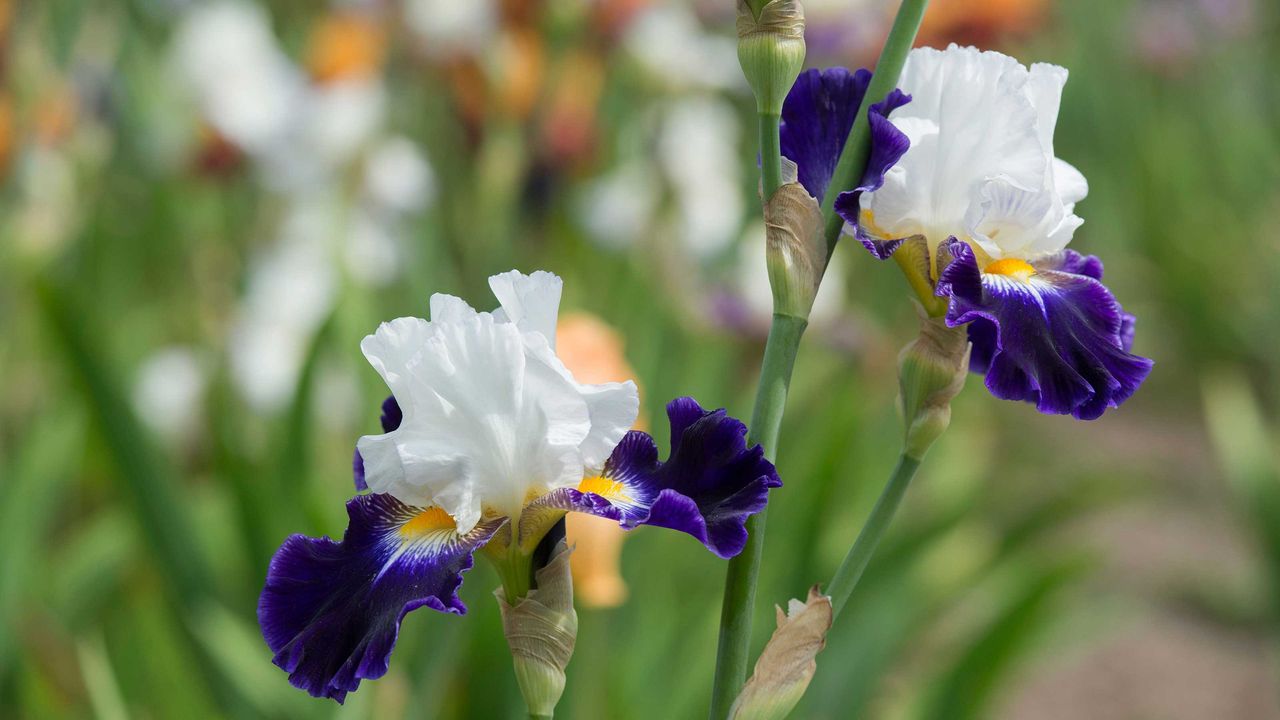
(770, 49)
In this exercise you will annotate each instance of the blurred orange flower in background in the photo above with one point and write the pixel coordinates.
(56, 111)
(6, 134)
(569, 128)
(345, 46)
(979, 22)
(593, 352)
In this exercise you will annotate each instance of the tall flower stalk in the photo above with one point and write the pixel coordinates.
(787, 329)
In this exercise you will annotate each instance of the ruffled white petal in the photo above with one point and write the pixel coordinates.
(1008, 221)
(981, 164)
(532, 302)
(1044, 88)
(612, 407)
(491, 415)
(450, 308)
(1069, 182)
(393, 351)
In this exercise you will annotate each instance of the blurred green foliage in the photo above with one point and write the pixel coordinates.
(130, 562)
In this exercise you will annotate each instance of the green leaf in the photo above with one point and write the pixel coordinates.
(37, 478)
(143, 478)
(967, 688)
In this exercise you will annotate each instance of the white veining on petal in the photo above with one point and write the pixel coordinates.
(491, 415)
(981, 164)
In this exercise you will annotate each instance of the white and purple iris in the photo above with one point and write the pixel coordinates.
(489, 441)
(962, 172)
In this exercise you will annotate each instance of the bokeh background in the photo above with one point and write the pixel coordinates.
(206, 205)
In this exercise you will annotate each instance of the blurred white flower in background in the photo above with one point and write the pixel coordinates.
(671, 44)
(46, 181)
(616, 209)
(698, 149)
(168, 392)
(398, 177)
(449, 27)
(305, 131)
(291, 289)
(295, 130)
(244, 84)
(372, 251)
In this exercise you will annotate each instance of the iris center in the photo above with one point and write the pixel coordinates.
(604, 487)
(1011, 267)
(430, 520)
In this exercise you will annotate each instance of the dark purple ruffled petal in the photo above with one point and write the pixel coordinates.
(357, 470)
(391, 415)
(708, 487)
(391, 418)
(816, 119)
(1127, 323)
(331, 611)
(888, 145)
(1057, 338)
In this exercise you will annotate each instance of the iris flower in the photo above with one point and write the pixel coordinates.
(489, 442)
(979, 211)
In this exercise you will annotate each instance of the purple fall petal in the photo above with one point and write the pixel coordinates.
(708, 487)
(331, 611)
(1057, 339)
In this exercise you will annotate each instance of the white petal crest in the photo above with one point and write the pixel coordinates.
(981, 164)
(532, 302)
(491, 416)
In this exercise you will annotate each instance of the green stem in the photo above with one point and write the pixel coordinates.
(770, 154)
(853, 159)
(535, 716)
(740, 581)
(850, 572)
(780, 355)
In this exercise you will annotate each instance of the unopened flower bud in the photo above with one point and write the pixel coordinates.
(788, 662)
(795, 252)
(541, 630)
(931, 372)
(771, 49)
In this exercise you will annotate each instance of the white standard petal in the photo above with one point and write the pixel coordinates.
(1069, 182)
(492, 418)
(1044, 88)
(393, 350)
(981, 165)
(986, 128)
(484, 426)
(532, 302)
(450, 308)
(612, 407)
